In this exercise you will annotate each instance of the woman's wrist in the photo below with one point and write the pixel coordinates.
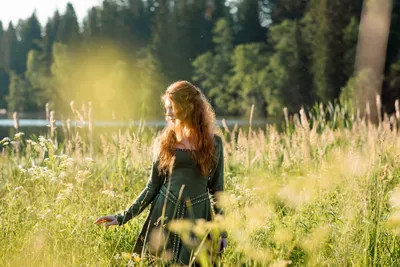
(119, 218)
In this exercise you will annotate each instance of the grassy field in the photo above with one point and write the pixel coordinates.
(319, 193)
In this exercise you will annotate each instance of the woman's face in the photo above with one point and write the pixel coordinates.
(169, 112)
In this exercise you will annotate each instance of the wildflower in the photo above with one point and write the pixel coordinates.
(54, 179)
(5, 140)
(89, 160)
(136, 257)
(126, 255)
(44, 215)
(69, 189)
(19, 188)
(60, 197)
(81, 176)
(109, 193)
(18, 135)
(21, 169)
(70, 162)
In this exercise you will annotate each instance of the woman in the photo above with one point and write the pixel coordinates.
(187, 170)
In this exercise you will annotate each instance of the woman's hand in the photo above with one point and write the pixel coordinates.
(108, 220)
(222, 244)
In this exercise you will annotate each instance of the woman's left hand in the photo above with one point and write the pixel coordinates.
(222, 244)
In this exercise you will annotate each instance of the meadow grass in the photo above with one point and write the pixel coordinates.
(322, 192)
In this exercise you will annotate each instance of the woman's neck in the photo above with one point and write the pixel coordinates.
(184, 134)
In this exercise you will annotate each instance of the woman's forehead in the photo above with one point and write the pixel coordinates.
(168, 102)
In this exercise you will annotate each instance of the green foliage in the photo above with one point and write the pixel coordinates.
(248, 79)
(15, 98)
(213, 71)
(350, 37)
(318, 35)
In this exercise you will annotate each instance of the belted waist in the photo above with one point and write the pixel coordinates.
(188, 201)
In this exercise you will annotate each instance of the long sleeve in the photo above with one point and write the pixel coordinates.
(148, 194)
(216, 183)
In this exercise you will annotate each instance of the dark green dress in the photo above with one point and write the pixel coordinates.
(195, 190)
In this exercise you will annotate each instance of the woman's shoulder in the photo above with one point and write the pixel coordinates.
(156, 148)
(218, 139)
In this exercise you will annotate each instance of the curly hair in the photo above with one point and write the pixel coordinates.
(194, 113)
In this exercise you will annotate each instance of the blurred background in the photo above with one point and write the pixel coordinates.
(114, 58)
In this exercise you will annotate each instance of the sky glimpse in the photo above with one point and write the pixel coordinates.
(22, 9)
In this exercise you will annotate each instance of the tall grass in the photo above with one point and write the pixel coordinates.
(323, 192)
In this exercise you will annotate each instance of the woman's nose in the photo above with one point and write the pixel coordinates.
(170, 113)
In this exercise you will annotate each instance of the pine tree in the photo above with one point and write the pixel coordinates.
(113, 24)
(191, 34)
(4, 83)
(391, 86)
(4, 79)
(68, 30)
(30, 33)
(217, 10)
(10, 43)
(139, 18)
(92, 26)
(163, 42)
(1, 46)
(250, 29)
(280, 10)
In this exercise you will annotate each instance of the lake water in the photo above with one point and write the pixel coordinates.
(41, 127)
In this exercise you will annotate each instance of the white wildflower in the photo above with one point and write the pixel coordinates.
(69, 189)
(109, 193)
(53, 179)
(19, 135)
(60, 197)
(19, 188)
(5, 139)
(44, 215)
(62, 175)
(89, 160)
(21, 169)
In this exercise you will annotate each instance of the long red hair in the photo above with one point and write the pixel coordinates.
(194, 112)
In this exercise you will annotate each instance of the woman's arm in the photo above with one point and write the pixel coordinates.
(216, 183)
(150, 191)
(216, 187)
